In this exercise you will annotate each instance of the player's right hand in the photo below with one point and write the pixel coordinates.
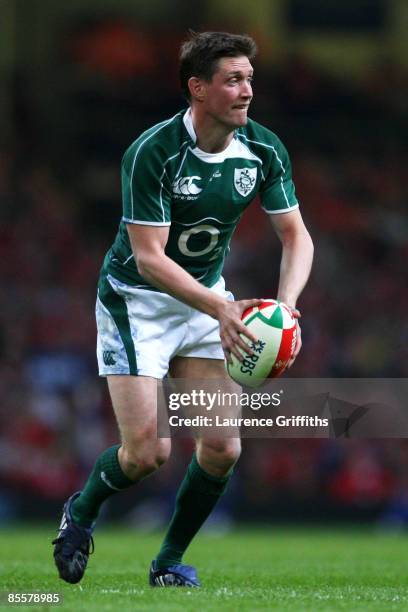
(229, 317)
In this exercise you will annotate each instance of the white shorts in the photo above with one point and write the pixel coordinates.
(140, 331)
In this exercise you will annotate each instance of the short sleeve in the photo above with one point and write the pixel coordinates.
(277, 191)
(146, 195)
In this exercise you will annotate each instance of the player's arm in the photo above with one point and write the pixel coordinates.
(148, 246)
(296, 262)
(297, 255)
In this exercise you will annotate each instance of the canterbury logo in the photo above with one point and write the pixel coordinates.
(108, 358)
(185, 185)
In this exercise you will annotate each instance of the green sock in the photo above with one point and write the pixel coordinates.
(196, 497)
(105, 479)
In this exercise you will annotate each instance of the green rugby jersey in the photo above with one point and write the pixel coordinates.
(168, 181)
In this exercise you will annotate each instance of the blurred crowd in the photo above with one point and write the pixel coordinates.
(59, 209)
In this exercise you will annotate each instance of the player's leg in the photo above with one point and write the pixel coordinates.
(134, 402)
(207, 475)
(117, 468)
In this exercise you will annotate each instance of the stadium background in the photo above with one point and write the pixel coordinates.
(78, 82)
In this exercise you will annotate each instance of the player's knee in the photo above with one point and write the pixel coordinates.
(140, 460)
(157, 457)
(222, 454)
(148, 464)
(162, 451)
(230, 453)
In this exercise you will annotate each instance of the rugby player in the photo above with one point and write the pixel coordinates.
(162, 306)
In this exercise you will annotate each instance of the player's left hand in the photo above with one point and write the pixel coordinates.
(296, 314)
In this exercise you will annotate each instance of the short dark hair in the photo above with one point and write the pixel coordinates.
(199, 54)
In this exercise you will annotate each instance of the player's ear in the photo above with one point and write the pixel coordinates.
(197, 88)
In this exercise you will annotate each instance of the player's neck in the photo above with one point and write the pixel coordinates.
(212, 136)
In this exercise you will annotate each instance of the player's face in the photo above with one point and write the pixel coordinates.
(229, 93)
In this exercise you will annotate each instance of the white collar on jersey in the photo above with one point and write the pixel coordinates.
(188, 122)
(235, 149)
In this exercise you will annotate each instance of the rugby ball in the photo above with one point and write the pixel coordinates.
(273, 324)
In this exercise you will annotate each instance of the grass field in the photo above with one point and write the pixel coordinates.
(281, 569)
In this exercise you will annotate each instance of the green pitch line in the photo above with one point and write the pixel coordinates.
(268, 569)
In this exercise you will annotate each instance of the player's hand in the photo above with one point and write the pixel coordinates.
(231, 326)
(296, 314)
